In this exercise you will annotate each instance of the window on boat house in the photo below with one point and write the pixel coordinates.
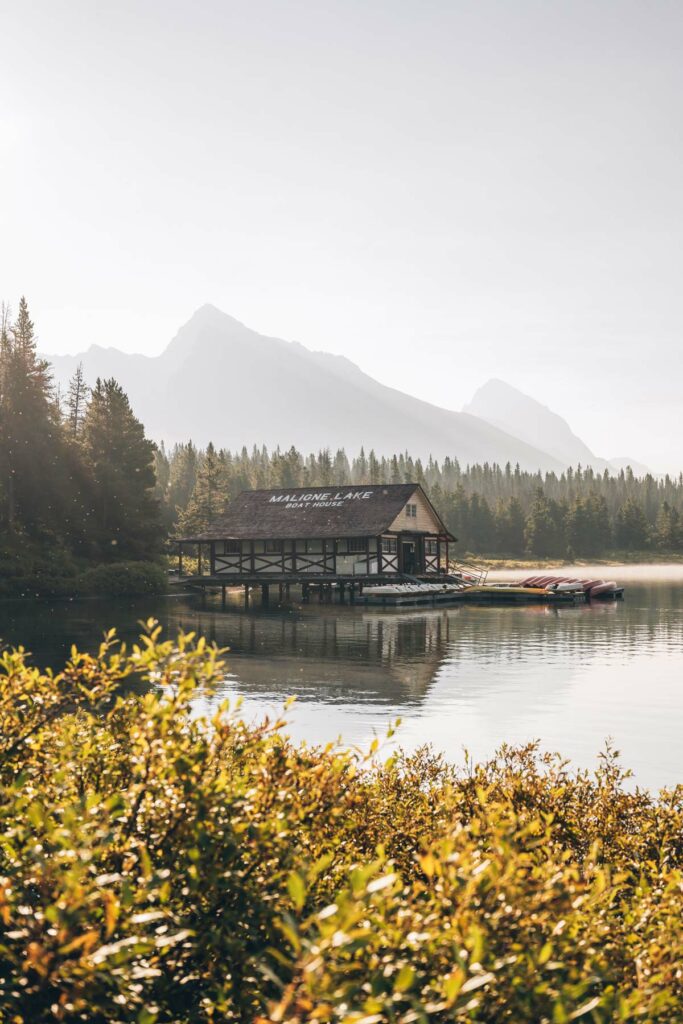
(309, 547)
(356, 545)
(273, 547)
(430, 547)
(228, 547)
(411, 511)
(389, 545)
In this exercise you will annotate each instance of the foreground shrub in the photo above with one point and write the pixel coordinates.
(121, 579)
(159, 867)
(29, 570)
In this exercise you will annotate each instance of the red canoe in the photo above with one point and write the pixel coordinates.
(603, 589)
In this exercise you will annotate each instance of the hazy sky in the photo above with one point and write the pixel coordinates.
(442, 191)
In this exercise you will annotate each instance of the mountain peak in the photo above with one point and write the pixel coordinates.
(220, 380)
(509, 409)
(212, 315)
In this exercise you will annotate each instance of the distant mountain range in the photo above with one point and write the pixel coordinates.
(506, 407)
(220, 381)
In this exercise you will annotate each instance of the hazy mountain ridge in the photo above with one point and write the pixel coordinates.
(219, 380)
(507, 408)
(510, 409)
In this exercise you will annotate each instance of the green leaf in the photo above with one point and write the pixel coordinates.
(296, 888)
(405, 978)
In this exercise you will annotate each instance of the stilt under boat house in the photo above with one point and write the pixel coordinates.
(359, 533)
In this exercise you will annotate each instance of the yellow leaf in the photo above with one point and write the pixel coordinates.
(405, 978)
(428, 864)
(111, 912)
(296, 889)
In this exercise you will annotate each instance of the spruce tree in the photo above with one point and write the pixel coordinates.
(121, 463)
(30, 433)
(209, 498)
(509, 527)
(631, 529)
(76, 401)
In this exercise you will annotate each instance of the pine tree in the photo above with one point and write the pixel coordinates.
(509, 518)
(182, 476)
(667, 532)
(631, 527)
(544, 527)
(481, 525)
(121, 463)
(30, 438)
(209, 498)
(76, 402)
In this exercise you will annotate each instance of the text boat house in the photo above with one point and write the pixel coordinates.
(341, 534)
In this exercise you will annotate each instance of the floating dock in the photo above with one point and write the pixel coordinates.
(397, 594)
(552, 590)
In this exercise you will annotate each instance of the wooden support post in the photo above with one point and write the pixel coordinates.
(352, 593)
(223, 593)
(246, 595)
(265, 593)
(305, 592)
(321, 594)
(288, 588)
(342, 589)
(281, 593)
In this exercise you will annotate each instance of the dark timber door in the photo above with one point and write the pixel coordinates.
(409, 565)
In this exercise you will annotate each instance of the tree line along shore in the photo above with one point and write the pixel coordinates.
(90, 505)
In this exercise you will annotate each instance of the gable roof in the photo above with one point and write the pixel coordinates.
(288, 513)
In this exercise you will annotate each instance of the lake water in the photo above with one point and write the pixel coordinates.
(459, 677)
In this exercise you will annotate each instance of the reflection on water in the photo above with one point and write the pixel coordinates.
(460, 677)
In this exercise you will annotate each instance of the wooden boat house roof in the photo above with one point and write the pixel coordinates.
(320, 512)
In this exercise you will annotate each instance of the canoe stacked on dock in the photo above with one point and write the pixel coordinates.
(592, 588)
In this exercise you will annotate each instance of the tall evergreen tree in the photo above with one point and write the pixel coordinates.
(76, 402)
(209, 498)
(545, 528)
(121, 461)
(509, 526)
(29, 431)
(631, 527)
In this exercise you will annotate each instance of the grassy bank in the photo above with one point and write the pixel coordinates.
(156, 867)
(611, 558)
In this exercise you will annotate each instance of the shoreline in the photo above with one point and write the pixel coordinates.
(616, 561)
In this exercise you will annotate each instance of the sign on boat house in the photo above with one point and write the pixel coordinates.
(331, 532)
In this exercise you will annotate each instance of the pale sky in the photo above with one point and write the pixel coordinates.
(442, 191)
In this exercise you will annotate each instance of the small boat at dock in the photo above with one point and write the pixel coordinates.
(593, 589)
(533, 590)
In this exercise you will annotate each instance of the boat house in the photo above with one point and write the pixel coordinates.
(331, 534)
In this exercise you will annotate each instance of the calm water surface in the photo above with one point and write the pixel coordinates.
(460, 677)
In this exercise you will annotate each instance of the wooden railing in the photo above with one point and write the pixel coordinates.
(476, 573)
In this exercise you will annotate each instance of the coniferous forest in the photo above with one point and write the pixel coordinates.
(77, 476)
(87, 502)
(501, 511)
